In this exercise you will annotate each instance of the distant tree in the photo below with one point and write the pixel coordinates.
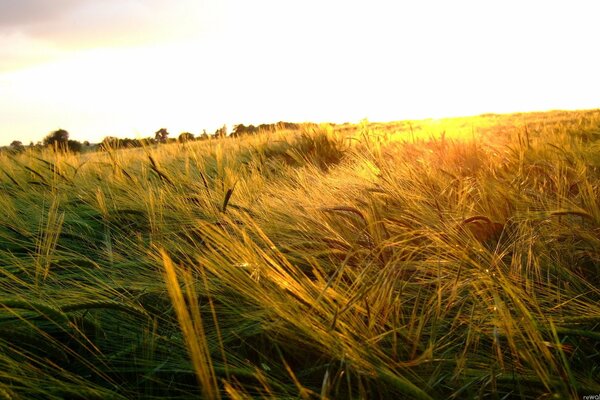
(17, 146)
(86, 143)
(185, 137)
(241, 129)
(161, 135)
(74, 146)
(221, 132)
(203, 136)
(58, 139)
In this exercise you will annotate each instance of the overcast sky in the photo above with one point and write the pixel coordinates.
(128, 67)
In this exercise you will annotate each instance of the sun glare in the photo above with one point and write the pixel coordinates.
(406, 205)
(382, 63)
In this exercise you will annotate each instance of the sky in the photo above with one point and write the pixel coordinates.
(126, 68)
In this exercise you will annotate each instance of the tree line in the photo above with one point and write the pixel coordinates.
(58, 140)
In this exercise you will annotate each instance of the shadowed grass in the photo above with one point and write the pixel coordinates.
(425, 259)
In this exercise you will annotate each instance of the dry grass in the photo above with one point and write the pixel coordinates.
(422, 259)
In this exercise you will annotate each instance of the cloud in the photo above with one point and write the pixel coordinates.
(79, 20)
(24, 14)
(34, 30)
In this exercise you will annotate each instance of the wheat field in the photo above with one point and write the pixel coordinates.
(433, 259)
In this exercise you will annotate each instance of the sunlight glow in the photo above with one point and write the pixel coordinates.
(267, 61)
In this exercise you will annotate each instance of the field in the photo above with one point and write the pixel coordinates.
(434, 259)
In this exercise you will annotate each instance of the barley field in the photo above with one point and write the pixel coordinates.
(434, 259)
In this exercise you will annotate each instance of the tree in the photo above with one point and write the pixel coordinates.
(58, 139)
(17, 146)
(221, 132)
(242, 129)
(161, 135)
(185, 137)
(74, 146)
(204, 135)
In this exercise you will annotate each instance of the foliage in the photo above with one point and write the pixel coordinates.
(221, 132)
(161, 135)
(74, 145)
(203, 136)
(417, 259)
(17, 146)
(58, 137)
(185, 137)
(59, 141)
(242, 129)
